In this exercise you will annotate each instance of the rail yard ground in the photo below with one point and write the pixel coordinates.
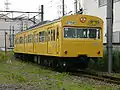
(20, 75)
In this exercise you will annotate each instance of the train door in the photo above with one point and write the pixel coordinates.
(53, 41)
(35, 42)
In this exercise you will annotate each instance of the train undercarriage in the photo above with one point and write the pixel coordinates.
(59, 63)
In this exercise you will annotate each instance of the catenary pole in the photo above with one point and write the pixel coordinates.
(13, 36)
(42, 13)
(5, 43)
(109, 33)
(63, 7)
(10, 37)
(75, 6)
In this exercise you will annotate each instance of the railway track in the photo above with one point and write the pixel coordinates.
(91, 75)
(108, 79)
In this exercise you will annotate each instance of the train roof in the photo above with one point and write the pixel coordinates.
(49, 22)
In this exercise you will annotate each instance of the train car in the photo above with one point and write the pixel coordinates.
(70, 41)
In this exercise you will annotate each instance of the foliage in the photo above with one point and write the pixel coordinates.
(102, 63)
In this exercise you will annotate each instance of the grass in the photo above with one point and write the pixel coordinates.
(25, 73)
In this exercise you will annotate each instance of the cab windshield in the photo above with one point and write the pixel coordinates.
(92, 33)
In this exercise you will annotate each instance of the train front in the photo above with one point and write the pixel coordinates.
(82, 37)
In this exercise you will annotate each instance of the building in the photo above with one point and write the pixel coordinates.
(11, 27)
(99, 8)
(4, 27)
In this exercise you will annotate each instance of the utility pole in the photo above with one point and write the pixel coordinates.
(109, 33)
(5, 43)
(63, 7)
(10, 37)
(21, 26)
(34, 20)
(75, 3)
(13, 36)
(42, 12)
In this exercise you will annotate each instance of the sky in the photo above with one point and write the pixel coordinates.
(50, 6)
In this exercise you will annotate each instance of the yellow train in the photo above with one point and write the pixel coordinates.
(70, 41)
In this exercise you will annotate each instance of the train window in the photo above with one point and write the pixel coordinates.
(41, 36)
(57, 33)
(26, 39)
(82, 33)
(37, 35)
(52, 35)
(49, 36)
(69, 33)
(21, 40)
(45, 34)
(98, 33)
(16, 41)
(30, 38)
(94, 33)
(35, 38)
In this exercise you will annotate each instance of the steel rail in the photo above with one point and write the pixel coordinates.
(105, 78)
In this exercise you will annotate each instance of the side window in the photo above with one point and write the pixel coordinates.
(45, 36)
(21, 40)
(41, 36)
(57, 33)
(52, 35)
(16, 41)
(49, 35)
(35, 38)
(24, 39)
(28, 38)
(31, 38)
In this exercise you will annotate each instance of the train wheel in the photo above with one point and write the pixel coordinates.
(84, 63)
(62, 66)
(35, 59)
(38, 60)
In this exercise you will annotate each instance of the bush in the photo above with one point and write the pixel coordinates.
(102, 63)
(7, 56)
